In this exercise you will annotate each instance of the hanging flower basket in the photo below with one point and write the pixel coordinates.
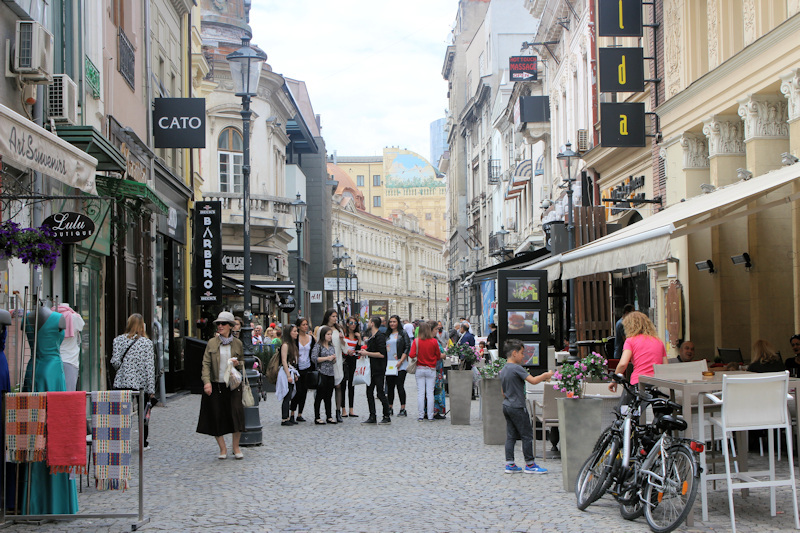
(35, 246)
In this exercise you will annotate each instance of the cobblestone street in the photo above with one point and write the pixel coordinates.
(409, 476)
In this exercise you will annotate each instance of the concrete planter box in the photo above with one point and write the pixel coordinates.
(494, 422)
(579, 425)
(460, 387)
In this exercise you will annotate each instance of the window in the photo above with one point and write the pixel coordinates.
(229, 149)
(360, 180)
(376, 180)
(428, 216)
(376, 201)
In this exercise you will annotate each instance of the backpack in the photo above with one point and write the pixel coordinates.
(273, 367)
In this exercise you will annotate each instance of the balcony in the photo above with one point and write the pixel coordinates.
(495, 171)
(270, 211)
(126, 62)
(498, 245)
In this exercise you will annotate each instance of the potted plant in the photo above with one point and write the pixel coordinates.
(578, 417)
(494, 423)
(459, 382)
(35, 246)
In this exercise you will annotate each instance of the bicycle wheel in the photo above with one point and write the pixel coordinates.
(595, 475)
(669, 502)
(631, 511)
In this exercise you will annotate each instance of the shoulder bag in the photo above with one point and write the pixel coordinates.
(412, 363)
(247, 394)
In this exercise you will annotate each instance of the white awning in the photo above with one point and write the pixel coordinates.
(648, 240)
(29, 146)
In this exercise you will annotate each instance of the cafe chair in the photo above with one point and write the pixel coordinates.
(750, 403)
(546, 413)
(691, 370)
(730, 355)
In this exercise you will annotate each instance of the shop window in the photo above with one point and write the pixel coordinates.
(230, 155)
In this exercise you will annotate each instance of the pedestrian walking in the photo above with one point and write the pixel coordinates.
(352, 339)
(331, 320)
(376, 351)
(288, 374)
(398, 345)
(439, 391)
(221, 409)
(324, 356)
(305, 343)
(134, 358)
(518, 421)
(426, 350)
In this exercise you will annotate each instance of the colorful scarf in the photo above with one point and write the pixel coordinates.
(66, 432)
(26, 413)
(111, 438)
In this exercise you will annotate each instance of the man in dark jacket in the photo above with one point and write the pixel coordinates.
(376, 351)
(619, 332)
(466, 336)
(491, 339)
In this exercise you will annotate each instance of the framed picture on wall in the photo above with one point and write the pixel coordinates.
(523, 290)
(523, 322)
(531, 352)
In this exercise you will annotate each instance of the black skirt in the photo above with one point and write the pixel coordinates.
(221, 412)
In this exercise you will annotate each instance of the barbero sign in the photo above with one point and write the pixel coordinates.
(208, 243)
(70, 227)
(179, 122)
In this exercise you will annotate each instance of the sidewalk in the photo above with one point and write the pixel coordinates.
(408, 476)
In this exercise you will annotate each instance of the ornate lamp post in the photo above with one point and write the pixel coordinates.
(337, 259)
(299, 207)
(428, 292)
(570, 159)
(450, 271)
(501, 237)
(464, 262)
(435, 299)
(345, 260)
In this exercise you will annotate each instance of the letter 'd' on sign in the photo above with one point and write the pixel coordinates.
(622, 125)
(621, 70)
(619, 18)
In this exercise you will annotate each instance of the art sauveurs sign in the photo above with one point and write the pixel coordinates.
(70, 227)
(208, 243)
(179, 122)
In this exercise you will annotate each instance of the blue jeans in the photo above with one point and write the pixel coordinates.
(518, 427)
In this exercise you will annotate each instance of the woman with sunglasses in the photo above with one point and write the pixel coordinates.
(352, 338)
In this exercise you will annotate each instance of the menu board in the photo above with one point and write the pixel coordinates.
(522, 314)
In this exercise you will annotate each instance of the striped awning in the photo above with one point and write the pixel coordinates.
(522, 174)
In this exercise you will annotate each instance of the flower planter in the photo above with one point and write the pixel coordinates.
(494, 422)
(459, 383)
(579, 425)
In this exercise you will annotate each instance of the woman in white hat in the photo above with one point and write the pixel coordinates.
(221, 409)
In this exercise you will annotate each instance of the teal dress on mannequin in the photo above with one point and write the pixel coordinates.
(50, 493)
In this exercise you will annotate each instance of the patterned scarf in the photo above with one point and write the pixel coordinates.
(226, 340)
(26, 414)
(111, 438)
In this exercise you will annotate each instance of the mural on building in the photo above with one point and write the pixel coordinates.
(407, 170)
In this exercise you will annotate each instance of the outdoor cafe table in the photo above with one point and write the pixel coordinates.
(691, 390)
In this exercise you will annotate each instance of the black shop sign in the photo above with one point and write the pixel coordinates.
(179, 122)
(208, 255)
(622, 125)
(70, 227)
(621, 70)
(619, 18)
(522, 68)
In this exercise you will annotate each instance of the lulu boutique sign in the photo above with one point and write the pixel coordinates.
(179, 122)
(70, 227)
(208, 243)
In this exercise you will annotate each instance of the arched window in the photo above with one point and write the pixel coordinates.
(229, 148)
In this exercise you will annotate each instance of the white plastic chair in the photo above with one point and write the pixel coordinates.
(750, 403)
(691, 370)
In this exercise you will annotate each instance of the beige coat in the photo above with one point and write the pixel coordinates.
(211, 358)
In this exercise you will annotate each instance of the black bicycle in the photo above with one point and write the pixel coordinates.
(646, 469)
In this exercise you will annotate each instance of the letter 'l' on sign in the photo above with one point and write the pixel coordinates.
(621, 70)
(619, 18)
(622, 125)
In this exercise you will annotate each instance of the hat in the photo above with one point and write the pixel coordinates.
(272, 324)
(225, 317)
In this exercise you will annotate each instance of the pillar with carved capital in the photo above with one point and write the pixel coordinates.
(790, 87)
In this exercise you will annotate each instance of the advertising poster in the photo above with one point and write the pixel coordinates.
(488, 304)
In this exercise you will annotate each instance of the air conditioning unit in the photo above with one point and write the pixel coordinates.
(63, 99)
(583, 141)
(33, 54)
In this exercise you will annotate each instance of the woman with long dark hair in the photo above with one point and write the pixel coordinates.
(352, 338)
(331, 320)
(287, 374)
(305, 343)
(397, 347)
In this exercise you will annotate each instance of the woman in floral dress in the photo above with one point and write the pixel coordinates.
(439, 406)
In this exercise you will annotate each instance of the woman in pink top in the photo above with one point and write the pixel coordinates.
(642, 346)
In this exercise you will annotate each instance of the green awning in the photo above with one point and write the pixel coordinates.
(93, 143)
(107, 186)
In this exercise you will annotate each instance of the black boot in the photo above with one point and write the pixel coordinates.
(370, 420)
(339, 417)
(385, 420)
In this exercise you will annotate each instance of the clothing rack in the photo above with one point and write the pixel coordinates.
(141, 518)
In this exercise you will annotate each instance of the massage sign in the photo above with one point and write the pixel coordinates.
(208, 243)
(621, 70)
(70, 227)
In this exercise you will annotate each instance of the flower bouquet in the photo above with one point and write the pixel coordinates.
(493, 369)
(467, 355)
(37, 246)
(572, 377)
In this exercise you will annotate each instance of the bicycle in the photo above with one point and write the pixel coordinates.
(646, 469)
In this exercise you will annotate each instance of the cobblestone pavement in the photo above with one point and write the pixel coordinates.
(409, 476)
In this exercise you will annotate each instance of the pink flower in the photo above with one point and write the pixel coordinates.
(563, 389)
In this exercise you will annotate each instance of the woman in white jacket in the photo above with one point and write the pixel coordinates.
(331, 319)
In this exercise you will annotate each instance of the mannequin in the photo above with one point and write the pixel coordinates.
(71, 346)
(44, 313)
(5, 386)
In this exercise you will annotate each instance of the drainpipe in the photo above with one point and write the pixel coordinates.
(593, 67)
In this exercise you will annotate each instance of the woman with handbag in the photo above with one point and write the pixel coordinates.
(134, 358)
(221, 409)
(397, 347)
(288, 374)
(352, 339)
(331, 320)
(324, 356)
(305, 343)
(426, 350)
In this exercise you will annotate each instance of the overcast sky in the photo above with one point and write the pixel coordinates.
(372, 67)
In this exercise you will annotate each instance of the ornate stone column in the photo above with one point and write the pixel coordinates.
(725, 134)
(790, 87)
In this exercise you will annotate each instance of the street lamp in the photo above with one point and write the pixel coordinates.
(435, 299)
(299, 207)
(428, 292)
(345, 259)
(245, 64)
(501, 237)
(337, 246)
(450, 272)
(464, 262)
(570, 161)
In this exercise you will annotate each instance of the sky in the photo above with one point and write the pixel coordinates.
(373, 68)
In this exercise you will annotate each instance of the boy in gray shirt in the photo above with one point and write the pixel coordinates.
(518, 421)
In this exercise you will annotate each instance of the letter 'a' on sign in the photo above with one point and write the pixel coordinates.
(622, 125)
(619, 18)
(621, 70)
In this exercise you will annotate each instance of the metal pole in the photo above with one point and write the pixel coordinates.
(246, 332)
(337, 285)
(299, 227)
(573, 338)
(435, 299)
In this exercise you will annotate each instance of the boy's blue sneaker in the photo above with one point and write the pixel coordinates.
(535, 469)
(512, 469)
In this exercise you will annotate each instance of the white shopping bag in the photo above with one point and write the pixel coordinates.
(391, 367)
(362, 375)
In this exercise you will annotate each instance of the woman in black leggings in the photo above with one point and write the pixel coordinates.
(398, 345)
(353, 340)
